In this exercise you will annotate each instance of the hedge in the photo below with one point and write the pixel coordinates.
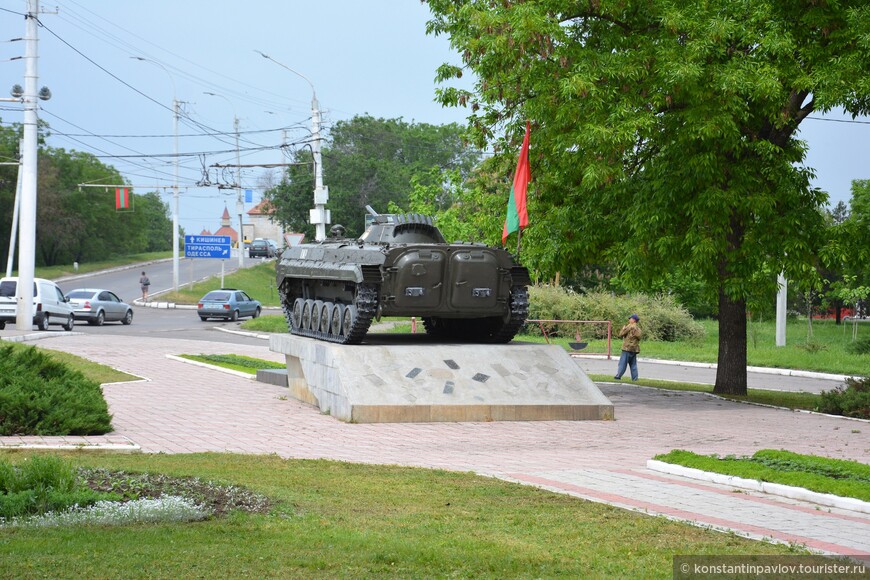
(40, 396)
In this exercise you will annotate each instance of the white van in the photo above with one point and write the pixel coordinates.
(49, 304)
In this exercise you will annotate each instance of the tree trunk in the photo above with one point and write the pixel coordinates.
(838, 309)
(731, 372)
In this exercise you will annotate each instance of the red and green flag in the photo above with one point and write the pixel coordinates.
(517, 215)
(122, 198)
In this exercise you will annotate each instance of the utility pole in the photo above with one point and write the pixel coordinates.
(175, 274)
(27, 235)
(176, 107)
(240, 203)
(319, 216)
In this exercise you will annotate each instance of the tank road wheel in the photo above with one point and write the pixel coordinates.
(296, 314)
(325, 313)
(306, 315)
(335, 320)
(315, 315)
(348, 317)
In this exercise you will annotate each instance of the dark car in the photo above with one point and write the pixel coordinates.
(261, 249)
(227, 303)
(97, 305)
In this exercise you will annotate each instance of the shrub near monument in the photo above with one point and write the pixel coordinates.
(40, 396)
(663, 318)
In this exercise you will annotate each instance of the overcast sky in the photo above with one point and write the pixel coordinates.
(361, 57)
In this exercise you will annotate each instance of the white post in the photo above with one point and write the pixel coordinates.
(27, 236)
(781, 306)
(13, 235)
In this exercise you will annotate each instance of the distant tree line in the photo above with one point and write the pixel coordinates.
(76, 224)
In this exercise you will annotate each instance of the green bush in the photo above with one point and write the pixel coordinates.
(42, 484)
(661, 317)
(39, 396)
(850, 400)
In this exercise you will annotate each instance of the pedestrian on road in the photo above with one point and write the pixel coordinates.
(630, 335)
(144, 283)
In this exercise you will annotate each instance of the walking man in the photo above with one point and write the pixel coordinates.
(144, 283)
(630, 334)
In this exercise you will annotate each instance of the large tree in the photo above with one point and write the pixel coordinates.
(369, 161)
(664, 132)
(74, 223)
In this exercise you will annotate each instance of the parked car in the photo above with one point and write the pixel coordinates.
(97, 305)
(227, 303)
(49, 304)
(261, 248)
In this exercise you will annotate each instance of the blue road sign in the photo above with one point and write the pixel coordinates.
(207, 246)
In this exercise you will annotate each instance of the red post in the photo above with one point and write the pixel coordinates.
(413, 325)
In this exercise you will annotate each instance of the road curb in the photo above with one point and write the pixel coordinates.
(778, 489)
(761, 370)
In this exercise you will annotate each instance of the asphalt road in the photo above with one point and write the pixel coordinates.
(125, 281)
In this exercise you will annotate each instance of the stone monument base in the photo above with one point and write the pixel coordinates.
(406, 378)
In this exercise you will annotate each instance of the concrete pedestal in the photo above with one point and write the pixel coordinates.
(405, 378)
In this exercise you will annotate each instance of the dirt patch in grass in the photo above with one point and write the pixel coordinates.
(219, 499)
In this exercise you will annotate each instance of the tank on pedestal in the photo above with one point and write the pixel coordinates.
(401, 266)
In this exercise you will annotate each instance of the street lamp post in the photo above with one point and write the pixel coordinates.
(175, 114)
(240, 204)
(319, 216)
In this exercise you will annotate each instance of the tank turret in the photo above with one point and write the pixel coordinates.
(402, 266)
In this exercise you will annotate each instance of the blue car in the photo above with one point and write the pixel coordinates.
(227, 303)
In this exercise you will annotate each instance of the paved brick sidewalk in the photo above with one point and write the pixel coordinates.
(181, 408)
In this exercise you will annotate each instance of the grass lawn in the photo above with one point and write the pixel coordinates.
(94, 371)
(819, 474)
(347, 520)
(245, 364)
(258, 282)
(62, 270)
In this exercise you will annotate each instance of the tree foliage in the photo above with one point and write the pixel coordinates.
(665, 132)
(80, 224)
(369, 161)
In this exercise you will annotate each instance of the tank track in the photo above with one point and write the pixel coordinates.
(519, 305)
(366, 303)
(487, 330)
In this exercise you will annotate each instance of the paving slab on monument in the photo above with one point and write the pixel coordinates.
(406, 378)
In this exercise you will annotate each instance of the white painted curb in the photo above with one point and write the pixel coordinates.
(799, 493)
(762, 370)
(213, 367)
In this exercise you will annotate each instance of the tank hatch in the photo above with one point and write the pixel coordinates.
(402, 229)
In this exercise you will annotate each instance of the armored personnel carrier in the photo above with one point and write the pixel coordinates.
(401, 266)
